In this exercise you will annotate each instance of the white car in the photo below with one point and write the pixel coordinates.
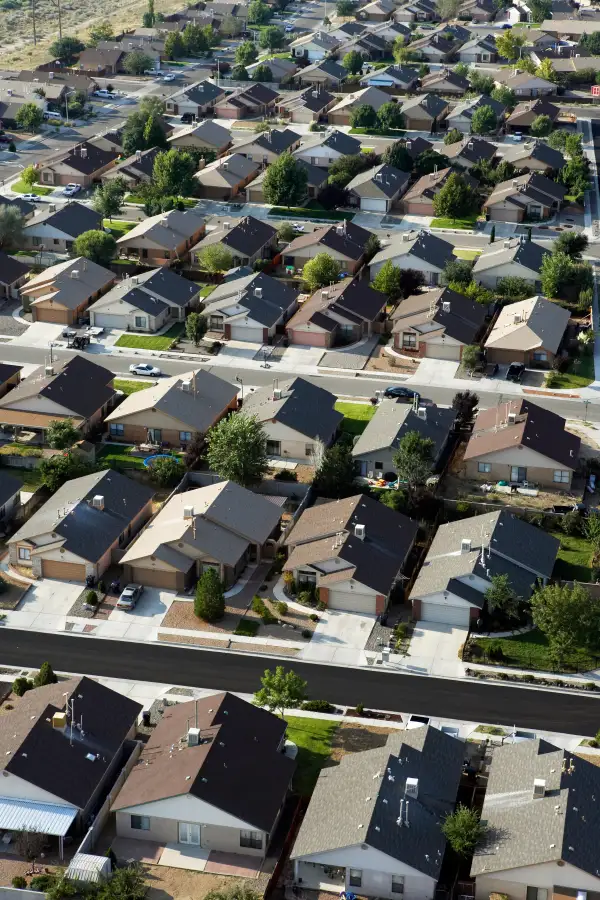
(31, 198)
(152, 72)
(144, 369)
(170, 77)
(107, 95)
(71, 189)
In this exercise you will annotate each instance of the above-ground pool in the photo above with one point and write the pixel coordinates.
(149, 459)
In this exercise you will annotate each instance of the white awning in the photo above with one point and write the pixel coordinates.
(27, 815)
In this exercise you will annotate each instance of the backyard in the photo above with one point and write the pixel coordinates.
(574, 556)
(118, 227)
(152, 342)
(356, 416)
(118, 457)
(313, 737)
(130, 387)
(579, 374)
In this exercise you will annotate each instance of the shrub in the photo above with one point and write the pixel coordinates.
(463, 508)
(398, 646)
(571, 522)
(307, 633)
(258, 605)
(360, 708)
(91, 598)
(21, 685)
(495, 650)
(19, 882)
(320, 606)
(400, 630)
(101, 587)
(305, 597)
(41, 882)
(288, 578)
(314, 618)
(552, 379)
(318, 706)
(286, 475)
(282, 608)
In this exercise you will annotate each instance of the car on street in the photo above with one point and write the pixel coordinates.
(71, 189)
(400, 393)
(144, 369)
(107, 95)
(31, 198)
(5, 139)
(169, 77)
(130, 595)
(515, 371)
(152, 72)
(94, 331)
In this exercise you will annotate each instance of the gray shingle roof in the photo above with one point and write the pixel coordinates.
(11, 269)
(303, 406)
(273, 299)
(72, 219)
(392, 421)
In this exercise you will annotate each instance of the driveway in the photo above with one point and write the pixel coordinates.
(340, 638)
(40, 334)
(433, 650)
(151, 608)
(45, 605)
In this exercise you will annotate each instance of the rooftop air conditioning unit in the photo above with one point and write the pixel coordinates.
(188, 512)
(446, 306)
(186, 385)
(258, 293)
(49, 371)
(512, 418)
(277, 392)
(359, 532)
(98, 501)
(193, 737)
(539, 788)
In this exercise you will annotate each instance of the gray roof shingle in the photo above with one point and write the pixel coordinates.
(303, 406)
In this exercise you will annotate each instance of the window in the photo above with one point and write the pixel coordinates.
(409, 340)
(307, 577)
(140, 823)
(140, 321)
(309, 449)
(24, 553)
(540, 356)
(251, 839)
(55, 241)
(355, 878)
(397, 884)
(117, 430)
(534, 893)
(518, 473)
(561, 476)
(185, 435)
(273, 448)
(484, 467)
(189, 834)
(378, 465)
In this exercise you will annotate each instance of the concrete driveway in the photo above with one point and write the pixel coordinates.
(340, 638)
(151, 608)
(434, 650)
(39, 334)
(45, 605)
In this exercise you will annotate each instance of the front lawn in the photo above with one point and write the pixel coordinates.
(188, 202)
(130, 387)
(380, 132)
(300, 212)
(19, 187)
(247, 627)
(577, 376)
(118, 457)
(150, 342)
(531, 651)
(118, 227)
(207, 290)
(574, 556)
(313, 738)
(467, 223)
(356, 416)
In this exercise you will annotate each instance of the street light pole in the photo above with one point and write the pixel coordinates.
(67, 95)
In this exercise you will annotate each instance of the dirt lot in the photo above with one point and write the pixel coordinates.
(350, 738)
(182, 884)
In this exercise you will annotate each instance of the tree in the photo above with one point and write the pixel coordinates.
(453, 136)
(237, 449)
(320, 271)
(572, 144)
(509, 44)
(505, 95)
(98, 246)
(568, 616)
(128, 883)
(209, 603)
(246, 54)
(430, 161)
(285, 182)
(345, 168)
(511, 287)
(30, 176)
(174, 46)
(345, 8)
(258, 13)
(280, 690)
(480, 83)
(540, 10)
(558, 139)
(29, 117)
(154, 136)
(448, 9)
(410, 281)
(11, 228)
(149, 17)
(63, 467)
(195, 327)
(137, 62)
(230, 26)
(401, 53)
(262, 73)
(372, 246)
(272, 38)
(470, 356)
(388, 281)
(572, 243)
(541, 126)
(455, 199)
(151, 106)
(108, 198)
(46, 675)
(458, 271)
(335, 475)
(215, 258)
(556, 271)
(463, 830)
(103, 31)
(546, 70)
(353, 62)
(167, 471)
(133, 133)
(398, 156)
(286, 233)
(389, 116)
(194, 39)
(464, 403)
(501, 598)
(483, 120)
(66, 49)
(173, 173)
(413, 460)
(62, 434)
(363, 116)
(239, 73)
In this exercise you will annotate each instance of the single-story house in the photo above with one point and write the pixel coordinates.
(469, 151)
(344, 242)
(415, 146)
(250, 240)
(524, 114)
(376, 11)
(370, 96)
(62, 293)
(378, 189)
(392, 78)
(282, 70)
(146, 302)
(250, 308)
(479, 10)
(437, 324)
(461, 115)
(316, 182)
(323, 149)
(423, 113)
(84, 165)
(226, 177)
(420, 250)
(530, 196)
(435, 47)
(206, 136)
(83, 528)
(529, 332)
(266, 147)
(195, 99)
(326, 73)
(479, 50)
(73, 81)
(510, 257)
(10, 377)
(26, 208)
(254, 101)
(56, 227)
(13, 275)
(100, 61)
(135, 170)
(444, 82)
(348, 30)
(162, 239)
(309, 105)
(338, 314)
(524, 84)
(418, 200)
(314, 47)
(534, 156)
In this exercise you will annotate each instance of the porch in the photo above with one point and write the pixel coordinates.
(187, 856)
(319, 877)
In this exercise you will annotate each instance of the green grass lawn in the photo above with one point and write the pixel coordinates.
(531, 651)
(152, 342)
(573, 562)
(247, 627)
(118, 227)
(187, 201)
(130, 387)
(118, 457)
(468, 222)
(19, 187)
(300, 212)
(207, 290)
(466, 254)
(380, 132)
(577, 376)
(356, 416)
(31, 478)
(313, 738)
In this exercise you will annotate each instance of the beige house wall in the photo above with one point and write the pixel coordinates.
(501, 472)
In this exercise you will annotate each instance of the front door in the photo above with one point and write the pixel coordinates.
(154, 435)
(189, 833)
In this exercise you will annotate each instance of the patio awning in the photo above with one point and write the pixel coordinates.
(27, 815)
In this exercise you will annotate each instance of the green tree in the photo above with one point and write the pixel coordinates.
(151, 106)
(483, 120)
(137, 62)
(558, 139)
(29, 117)
(481, 83)
(66, 49)
(459, 271)
(46, 675)
(108, 198)
(353, 62)
(569, 618)
(215, 258)
(344, 169)
(557, 271)
(285, 182)
(572, 144)
(509, 43)
(21, 685)
(363, 116)
(11, 228)
(286, 233)
(455, 199)
(463, 830)
(401, 53)
(345, 8)
(453, 136)
(430, 161)
(195, 327)
(572, 243)
(388, 280)
(128, 883)
(546, 70)
(154, 136)
(174, 45)
(102, 31)
(389, 116)
(335, 475)
(98, 246)
(194, 39)
(413, 460)
(372, 246)
(133, 133)
(271, 38)
(30, 176)
(209, 603)
(62, 434)
(259, 13)
(505, 95)
(262, 73)
(63, 467)
(541, 126)
(246, 54)
(239, 73)
(320, 271)
(167, 471)
(448, 9)
(173, 173)
(149, 18)
(470, 356)
(501, 598)
(464, 404)
(511, 287)
(398, 156)
(280, 690)
(540, 10)
(237, 449)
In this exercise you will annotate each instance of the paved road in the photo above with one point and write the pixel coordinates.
(439, 698)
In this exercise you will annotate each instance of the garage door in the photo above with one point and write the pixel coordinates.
(371, 205)
(348, 601)
(66, 571)
(443, 351)
(60, 316)
(155, 578)
(105, 321)
(241, 333)
(444, 613)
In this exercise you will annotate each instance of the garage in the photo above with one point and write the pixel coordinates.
(245, 333)
(66, 571)
(351, 601)
(444, 613)
(370, 204)
(58, 315)
(443, 351)
(159, 578)
(104, 320)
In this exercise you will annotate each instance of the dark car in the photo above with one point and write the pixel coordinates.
(187, 118)
(515, 371)
(491, 369)
(400, 393)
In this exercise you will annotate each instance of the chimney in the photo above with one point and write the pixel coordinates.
(193, 737)
(188, 512)
(422, 413)
(59, 721)
(539, 788)
(412, 788)
(98, 501)
(465, 545)
(359, 532)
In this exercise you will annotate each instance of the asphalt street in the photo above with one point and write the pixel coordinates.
(438, 698)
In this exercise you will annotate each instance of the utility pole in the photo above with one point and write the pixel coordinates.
(33, 2)
(56, 5)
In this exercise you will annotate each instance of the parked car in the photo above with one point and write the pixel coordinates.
(515, 371)
(130, 596)
(491, 369)
(401, 393)
(107, 95)
(187, 118)
(71, 189)
(170, 77)
(144, 369)
(31, 198)
(152, 72)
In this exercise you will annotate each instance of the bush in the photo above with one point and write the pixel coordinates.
(495, 650)
(21, 685)
(571, 522)
(282, 608)
(19, 882)
(305, 597)
(552, 379)
(360, 708)
(258, 605)
(400, 631)
(41, 883)
(286, 475)
(307, 633)
(91, 598)
(318, 706)
(314, 617)
(101, 587)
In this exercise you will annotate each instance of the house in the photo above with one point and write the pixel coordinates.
(193, 804)
(370, 46)
(464, 557)
(525, 114)
(282, 70)
(207, 136)
(524, 84)
(341, 113)
(10, 377)
(350, 552)
(389, 30)
(534, 156)
(420, 11)
(518, 441)
(554, 788)
(50, 781)
(222, 527)
(13, 96)
(529, 332)
(56, 227)
(250, 308)
(323, 149)
(195, 99)
(73, 81)
(479, 10)
(479, 50)
(344, 242)
(309, 105)
(424, 113)
(469, 151)
(83, 165)
(530, 196)
(587, 67)
(376, 447)
(266, 147)
(418, 200)
(415, 146)
(13, 275)
(444, 82)
(417, 250)
(522, 259)
(562, 52)
(376, 11)
(395, 796)
(317, 181)
(339, 314)
(10, 493)
(437, 324)
(324, 73)
(154, 49)
(392, 78)
(61, 293)
(146, 302)
(100, 61)
(348, 30)
(314, 47)
(251, 239)
(174, 411)
(162, 239)
(83, 528)
(26, 209)
(461, 115)
(378, 189)
(76, 389)
(135, 170)
(295, 416)
(226, 177)
(439, 47)
(256, 101)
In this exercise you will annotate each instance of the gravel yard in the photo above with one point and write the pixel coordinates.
(8, 325)
(181, 615)
(181, 884)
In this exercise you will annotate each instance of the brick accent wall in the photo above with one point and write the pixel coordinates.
(416, 607)
(324, 595)
(380, 602)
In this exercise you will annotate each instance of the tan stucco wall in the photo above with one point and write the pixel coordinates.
(501, 471)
